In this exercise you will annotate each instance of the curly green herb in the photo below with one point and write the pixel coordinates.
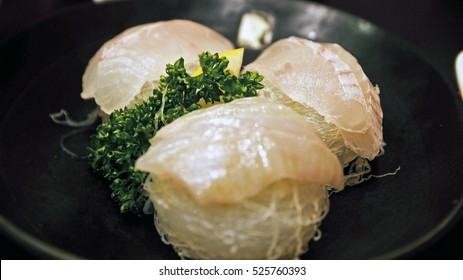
(120, 141)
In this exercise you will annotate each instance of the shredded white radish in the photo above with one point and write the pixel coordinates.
(62, 117)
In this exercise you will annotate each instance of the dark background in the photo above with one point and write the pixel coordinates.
(434, 27)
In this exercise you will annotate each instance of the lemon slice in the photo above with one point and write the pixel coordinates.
(235, 59)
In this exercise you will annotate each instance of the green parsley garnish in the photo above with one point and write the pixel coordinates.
(120, 141)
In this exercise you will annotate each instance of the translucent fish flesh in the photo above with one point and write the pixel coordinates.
(133, 61)
(230, 152)
(327, 79)
(242, 180)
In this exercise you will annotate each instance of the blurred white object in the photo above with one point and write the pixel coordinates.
(459, 71)
(256, 30)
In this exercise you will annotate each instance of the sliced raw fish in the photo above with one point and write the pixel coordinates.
(241, 180)
(137, 57)
(230, 152)
(329, 80)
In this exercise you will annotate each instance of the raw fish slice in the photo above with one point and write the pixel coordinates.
(138, 56)
(371, 93)
(242, 180)
(325, 78)
(228, 153)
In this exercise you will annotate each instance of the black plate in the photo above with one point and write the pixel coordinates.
(55, 206)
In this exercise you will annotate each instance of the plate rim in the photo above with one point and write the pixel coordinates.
(35, 245)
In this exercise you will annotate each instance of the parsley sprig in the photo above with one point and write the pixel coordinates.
(120, 141)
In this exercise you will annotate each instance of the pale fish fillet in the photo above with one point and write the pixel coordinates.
(137, 57)
(366, 144)
(230, 152)
(242, 180)
(328, 79)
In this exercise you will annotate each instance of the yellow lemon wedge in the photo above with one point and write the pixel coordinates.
(235, 59)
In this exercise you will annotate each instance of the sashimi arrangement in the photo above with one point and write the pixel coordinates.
(233, 162)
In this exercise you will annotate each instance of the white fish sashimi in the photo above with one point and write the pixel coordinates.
(123, 65)
(242, 180)
(328, 79)
(230, 152)
(366, 144)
